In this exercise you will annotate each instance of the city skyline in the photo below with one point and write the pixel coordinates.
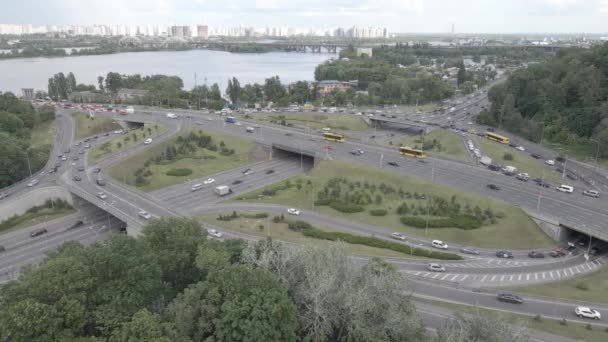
(402, 16)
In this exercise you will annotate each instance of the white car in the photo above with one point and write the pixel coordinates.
(398, 236)
(326, 129)
(521, 148)
(118, 131)
(433, 267)
(209, 181)
(214, 233)
(102, 195)
(144, 214)
(550, 162)
(439, 244)
(64, 158)
(585, 312)
(197, 187)
(32, 183)
(147, 141)
(293, 211)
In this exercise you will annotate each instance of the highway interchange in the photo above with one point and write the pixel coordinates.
(457, 284)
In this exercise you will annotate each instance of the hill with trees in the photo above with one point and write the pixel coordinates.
(563, 100)
(18, 153)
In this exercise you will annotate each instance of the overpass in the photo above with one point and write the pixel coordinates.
(379, 121)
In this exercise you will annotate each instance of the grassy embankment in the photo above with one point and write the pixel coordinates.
(86, 127)
(155, 170)
(515, 231)
(38, 214)
(449, 144)
(123, 142)
(336, 121)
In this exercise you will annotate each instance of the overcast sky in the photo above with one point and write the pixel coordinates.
(489, 16)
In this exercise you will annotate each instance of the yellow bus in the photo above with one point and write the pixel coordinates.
(497, 138)
(333, 137)
(411, 152)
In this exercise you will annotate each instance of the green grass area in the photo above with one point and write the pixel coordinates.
(583, 151)
(341, 122)
(515, 231)
(43, 134)
(119, 144)
(449, 144)
(279, 231)
(36, 215)
(86, 126)
(577, 331)
(521, 160)
(202, 162)
(591, 287)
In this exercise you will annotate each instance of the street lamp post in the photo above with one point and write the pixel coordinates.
(597, 151)
(29, 167)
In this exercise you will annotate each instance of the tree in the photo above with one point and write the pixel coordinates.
(273, 89)
(71, 82)
(100, 83)
(233, 90)
(113, 82)
(481, 328)
(461, 77)
(144, 326)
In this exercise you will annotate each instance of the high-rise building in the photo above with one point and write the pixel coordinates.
(181, 31)
(202, 32)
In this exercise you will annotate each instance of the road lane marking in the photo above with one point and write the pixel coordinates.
(484, 278)
(535, 276)
(551, 274)
(559, 274)
(527, 276)
(543, 275)
(454, 277)
(519, 277)
(493, 277)
(445, 276)
(435, 276)
(465, 277)
(502, 278)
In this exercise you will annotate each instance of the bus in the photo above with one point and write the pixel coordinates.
(497, 138)
(333, 137)
(411, 152)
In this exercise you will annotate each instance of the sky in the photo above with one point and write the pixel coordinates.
(404, 16)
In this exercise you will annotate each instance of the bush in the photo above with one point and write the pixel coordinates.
(458, 221)
(589, 326)
(563, 322)
(346, 208)
(299, 226)
(322, 202)
(538, 318)
(582, 286)
(507, 156)
(255, 216)
(179, 172)
(378, 212)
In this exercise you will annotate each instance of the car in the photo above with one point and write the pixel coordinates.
(433, 267)
(469, 250)
(560, 159)
(512, 145)
(144, 214)
(76, 224)
(100, 182)
(147, 141)
(504, 254)
(520, 148)
(586, 312)
(592, 193)
(535, 156)
(77, 178)
(398, 236)
(558, 253)
(214, 233)
(550, 162)
(439, 244)
(196, 187)
(2, 249)
(392, 163)
(102, 195)
(64, 158)
(32, 183)
(87, 139)
(87, 146)
(208, 181)
(572, 176)
(38, 232)
(357, 152)
(536, 255)
(509, 298)
(524, 177)
(81, 152)
(494, 167)
(77, 144)
(565, 188)
(247, 172)
(269, 171)
(237, 182)
(107, 134)
(80, 168)
(493, 187)
(118, 131)
(97, 170)
(293, 211)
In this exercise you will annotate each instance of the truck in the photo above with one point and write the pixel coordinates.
(130, 110)
(222, 190)
(485, 160)
(171, 116)
(509, 170)
(231, 119)
(250, 129)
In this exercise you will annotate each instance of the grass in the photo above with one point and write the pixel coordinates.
(583, 151)
(343, 122)
(521, 160)
(43, 134)
(516, 231)
(31, 219)
(86, 126)
(279, 231)
(202, 162)
(111, 147)
(452, 145)
(593, 288)
(577, 331)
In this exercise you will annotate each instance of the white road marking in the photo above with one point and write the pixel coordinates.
(484, 278)
(519, 277)
(465, 277)
(511, 278)
(445, 276)
(493, 277)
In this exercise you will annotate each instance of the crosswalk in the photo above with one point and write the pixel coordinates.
(511, 278)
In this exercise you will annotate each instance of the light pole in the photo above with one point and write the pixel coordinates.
(597, 151)
(428, 207)
(29, 167)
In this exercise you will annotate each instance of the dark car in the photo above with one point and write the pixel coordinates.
(246, 171)
(2, 249)
(536, 255)
(76, 224)
(106, 134)
(490, 129)
(504, 254)
(269, 171)
(572, 176)
(560, 159)
(393, 164)
(100, 182)
(469, 250)
(77, 178)
(38, 232)
(494, 167)
(493, 187)
(236, 182)
(558, 252)
(97, 170)
(509, 298)
(512, 145)
(81, 168)
(535, 156)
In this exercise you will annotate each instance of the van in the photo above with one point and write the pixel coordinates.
(197, 187)
(439, 244)
(565, 188)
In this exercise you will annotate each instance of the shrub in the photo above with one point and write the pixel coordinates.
(563, 322)
(346, 208)
(179, 172)
(507, 156)
(299, 226)
(582, 286)
(322, 202)
(378, 212)
(458, 221)
(538, 318)
(276, 219)
(589, 326)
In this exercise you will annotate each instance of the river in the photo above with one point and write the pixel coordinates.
(210, 66)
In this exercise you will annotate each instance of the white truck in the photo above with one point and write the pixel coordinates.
(171, 116)
(250, 129)
(130, 110)
(485, 160)
(222, 190)
(509, 170)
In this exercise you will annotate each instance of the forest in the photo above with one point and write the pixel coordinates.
(19, 153)
(174, 284)
(563, 100)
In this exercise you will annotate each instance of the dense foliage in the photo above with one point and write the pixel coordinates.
(563, 100)
(17, 153)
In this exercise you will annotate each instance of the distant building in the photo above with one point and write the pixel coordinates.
(181, 31)
(27, 93)
(361, 51)
(202, 32)
(126, 94)
(327, 86)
